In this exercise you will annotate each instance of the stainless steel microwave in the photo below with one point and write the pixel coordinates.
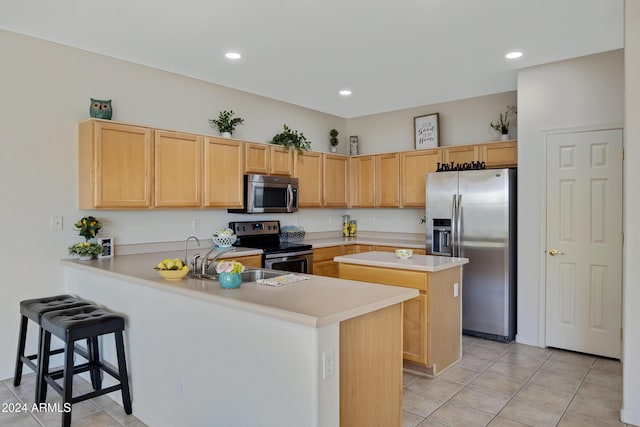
(269, 194)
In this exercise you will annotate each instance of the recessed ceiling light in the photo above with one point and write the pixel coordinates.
(513, 55)
(233, 55)
(345, 92)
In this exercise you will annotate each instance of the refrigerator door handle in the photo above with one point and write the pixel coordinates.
(459, 223)
(454, 210)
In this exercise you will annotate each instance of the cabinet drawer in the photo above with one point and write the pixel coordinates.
(326, 254)
(385, 276)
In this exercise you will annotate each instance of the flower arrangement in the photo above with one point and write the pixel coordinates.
(229, 267)
(225, 123)
(502, 125)
(223, 232)
(88, 227)
(85, 249)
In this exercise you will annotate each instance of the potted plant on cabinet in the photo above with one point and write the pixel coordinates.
(226, 123)
(333, 140)
(290, 138)
(505, 119)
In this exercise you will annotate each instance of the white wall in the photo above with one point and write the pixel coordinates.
(577, 93)
(631, 320)
(464, 121)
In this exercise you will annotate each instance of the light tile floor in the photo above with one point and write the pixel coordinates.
(498, 384)
(494, 384)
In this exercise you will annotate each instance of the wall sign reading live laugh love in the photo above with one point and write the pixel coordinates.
(426, 131)
(446, 167)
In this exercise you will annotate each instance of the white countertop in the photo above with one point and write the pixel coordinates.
(428, 263)
(316, 302)
(399, 242)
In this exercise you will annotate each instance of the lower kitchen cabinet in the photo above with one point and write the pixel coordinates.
(250, 260)
(432, 321)
(323, 263)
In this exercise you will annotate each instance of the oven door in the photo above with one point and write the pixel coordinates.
(297, 262)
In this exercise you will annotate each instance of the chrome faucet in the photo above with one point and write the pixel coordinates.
(186, 242)
(204, 264)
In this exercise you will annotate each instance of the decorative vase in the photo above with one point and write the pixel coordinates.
(504, 137)
(333, 149)
(230, 280)
(226, 134)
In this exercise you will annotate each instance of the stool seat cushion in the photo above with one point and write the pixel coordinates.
(81, 322)
(34, 308)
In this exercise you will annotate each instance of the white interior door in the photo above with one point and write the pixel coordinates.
(584, 242)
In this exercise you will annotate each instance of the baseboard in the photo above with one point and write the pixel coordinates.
(629, 416)
(527, 340)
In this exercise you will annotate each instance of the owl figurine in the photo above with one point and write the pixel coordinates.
(100, 109)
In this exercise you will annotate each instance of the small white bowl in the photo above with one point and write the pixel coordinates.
(404, 253)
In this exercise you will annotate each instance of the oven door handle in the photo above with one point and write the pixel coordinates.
(288, 254)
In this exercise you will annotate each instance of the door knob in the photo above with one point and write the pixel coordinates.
(554, 252)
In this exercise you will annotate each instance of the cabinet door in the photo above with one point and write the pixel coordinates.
(115, 167)
(414, 338)
(256, 158)
(363, 175)
(178, 169)
(336, 181)
(281, 161)
(387, 182)
(500, 154)
(323, 264)
(415, 166)
(223, 173)
(250, 261)
(463, 154)
(309, 173)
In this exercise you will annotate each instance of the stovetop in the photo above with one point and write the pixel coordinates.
(264, 235)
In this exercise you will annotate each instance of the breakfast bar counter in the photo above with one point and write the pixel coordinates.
(318, 352)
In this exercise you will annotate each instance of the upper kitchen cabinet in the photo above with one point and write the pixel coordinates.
(462, 154)
(500, 154)
(268, 159)
(115, 165)
(178, 169)
(363, 176)
(375, 181)
(336, 181)
(387, 181)
(308, 170)
(223, 172)
(415, 166)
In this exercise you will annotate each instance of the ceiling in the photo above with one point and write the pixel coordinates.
(391, 54)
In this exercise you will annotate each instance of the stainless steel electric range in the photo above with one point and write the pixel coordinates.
(277, 255)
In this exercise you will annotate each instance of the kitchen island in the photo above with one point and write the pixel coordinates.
(432, 321)
(319, 352)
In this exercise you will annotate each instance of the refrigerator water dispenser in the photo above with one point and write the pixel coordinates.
(441, 232)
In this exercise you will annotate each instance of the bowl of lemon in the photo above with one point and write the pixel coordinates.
(172, 269)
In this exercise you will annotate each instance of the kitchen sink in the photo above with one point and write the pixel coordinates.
(248, 275)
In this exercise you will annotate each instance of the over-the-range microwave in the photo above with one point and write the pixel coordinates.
(269, 194)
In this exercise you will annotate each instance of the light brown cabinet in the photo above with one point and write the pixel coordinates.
(250, 260)
(308, 170)
(500, 154)
(387, 182)
(432, 322)
(268, 159)
(115, 165)
(336, 181)
(415, 166)
(323, 263)
(363, 174)
(462, 154)
(223, 173)
(178, 169)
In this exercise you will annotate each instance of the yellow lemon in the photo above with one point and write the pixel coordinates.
(160, 265)
(184, 267)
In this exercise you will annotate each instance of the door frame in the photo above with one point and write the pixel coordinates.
(542, 242)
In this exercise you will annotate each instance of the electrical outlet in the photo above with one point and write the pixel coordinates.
(455, 289)
(55, 223)
(328, 364)
(195, 225)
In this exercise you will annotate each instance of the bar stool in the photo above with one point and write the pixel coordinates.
(34, 309)
(87, 322)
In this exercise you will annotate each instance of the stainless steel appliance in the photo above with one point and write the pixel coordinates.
(277, 255)
(472, 214)
(269, 194)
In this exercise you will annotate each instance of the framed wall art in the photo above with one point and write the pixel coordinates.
(426, 131)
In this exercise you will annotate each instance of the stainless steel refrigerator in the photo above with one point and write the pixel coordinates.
(472, 214)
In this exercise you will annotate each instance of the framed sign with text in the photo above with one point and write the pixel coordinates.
(426, 131)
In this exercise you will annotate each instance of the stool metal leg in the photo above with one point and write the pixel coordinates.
(122, 371)
(22, 337)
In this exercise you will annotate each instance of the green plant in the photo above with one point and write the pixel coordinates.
(85, 248)
(88, 227)
(225, 122)
(502, 125)
(333, 140)
(290, 138)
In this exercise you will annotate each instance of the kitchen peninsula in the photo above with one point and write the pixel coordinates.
(432, 321)
(319, 352)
